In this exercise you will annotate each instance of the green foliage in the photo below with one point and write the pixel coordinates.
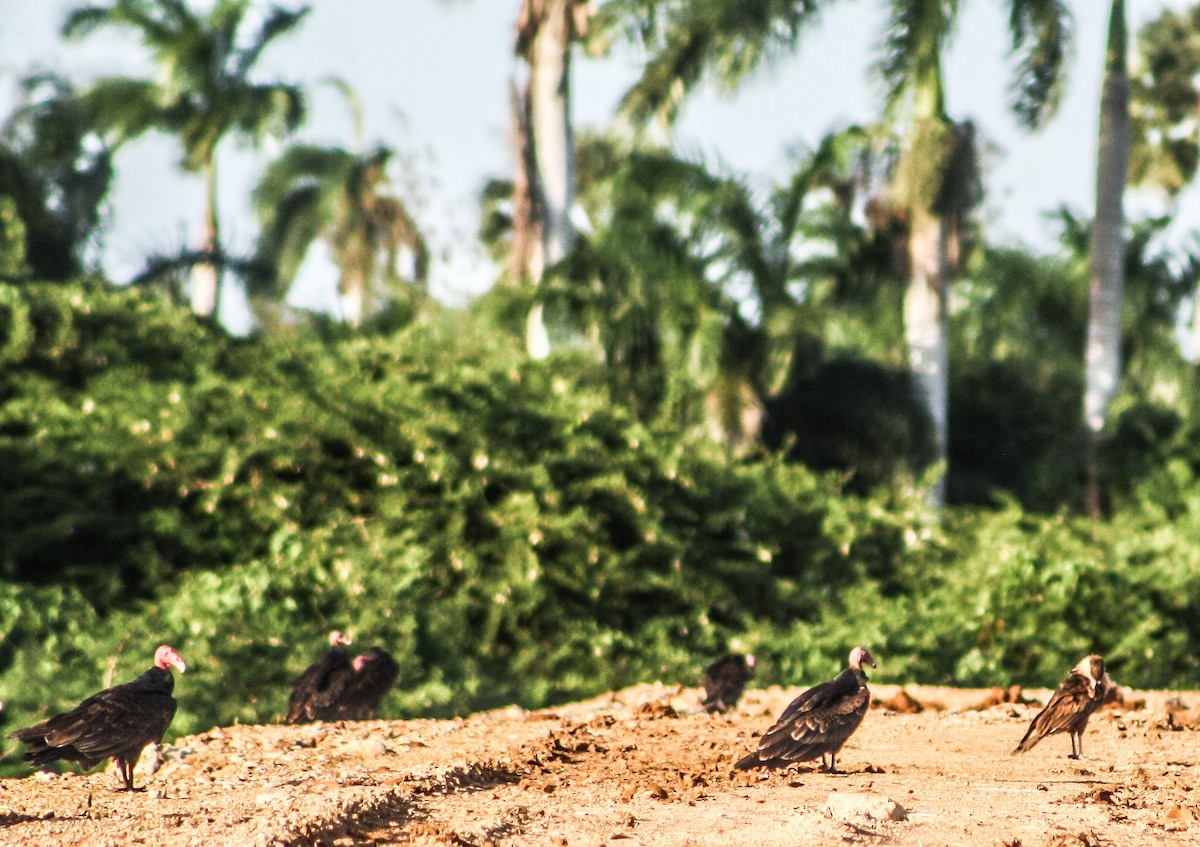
(996, 598)
(1166, 140)
(344, 198)
(516, 537)
(1017, 379)
(855, 416)
(503, 528)
(54, 176)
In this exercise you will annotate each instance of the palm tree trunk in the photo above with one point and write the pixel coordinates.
(1102, 364)
(927, 331)
(526, 258)
(206, 276)
(352, 296)
(924, 174)
(549, 58)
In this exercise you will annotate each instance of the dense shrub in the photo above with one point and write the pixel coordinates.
(515, 536)
(855, 416)
(507, 532)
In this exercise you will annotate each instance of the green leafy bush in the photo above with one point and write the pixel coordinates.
(507, 532)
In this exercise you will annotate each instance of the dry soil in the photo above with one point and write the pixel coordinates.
(645, 766)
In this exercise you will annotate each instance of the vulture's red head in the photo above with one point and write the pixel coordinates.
(168, 657)
(859, 657)
(338, 637)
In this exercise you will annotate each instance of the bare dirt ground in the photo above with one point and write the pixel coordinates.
(644, 766)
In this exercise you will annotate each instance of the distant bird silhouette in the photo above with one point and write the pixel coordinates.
(725, 680)
(375, 673)
(317, 691)
(115, 723)
(818, 722)
(1081, 693)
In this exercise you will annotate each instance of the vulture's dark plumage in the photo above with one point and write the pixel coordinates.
(725, 680)
(317, 692)
(1080, 694)
(817, 723)
(375, 673)
(115, 723)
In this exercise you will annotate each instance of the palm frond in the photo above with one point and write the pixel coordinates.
(1163, 96)
(85, 20)
(278, 22)
(910, 50)
(294, 223)
(1041, 45)
(717, 38)
(159, 24)
(122, 108)
(271, 109)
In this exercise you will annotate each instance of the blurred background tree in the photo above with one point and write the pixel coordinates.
(728, 439)
(204, 92)
(344, 199)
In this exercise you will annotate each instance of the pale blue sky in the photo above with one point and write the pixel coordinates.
(433, 77)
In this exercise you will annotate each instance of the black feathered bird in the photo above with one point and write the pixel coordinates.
(818, 722)
(1080, 694)
(317, 692)
(115, 723)
(725, 680)
(374, 674)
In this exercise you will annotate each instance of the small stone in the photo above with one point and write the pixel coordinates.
(847, 805)
(367, 747)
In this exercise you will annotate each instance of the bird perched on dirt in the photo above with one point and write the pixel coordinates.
(317, 692)
(1081, 693)
(115, 723)
(725, 680)
(818, 722)
(374, 674)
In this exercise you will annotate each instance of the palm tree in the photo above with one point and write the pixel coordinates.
(695, 283)
(545, 183)
(1102, 360)
(203, 92)
(342, 198)
(1164, 94)
(731, 38)
(57, 176)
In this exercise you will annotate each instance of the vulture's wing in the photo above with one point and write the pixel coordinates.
(1065, 707)
(317, 691)
(368, 685)
(724, 681)
(817, 722)
(113, 722)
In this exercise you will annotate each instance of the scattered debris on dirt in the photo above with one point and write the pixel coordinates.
(1000, 696)
(645, 765)
(904, 703)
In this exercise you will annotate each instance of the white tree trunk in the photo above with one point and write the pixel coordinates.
(352, 297)
(553, 145)
(1102, 362)
(927, 331)
(206, 278)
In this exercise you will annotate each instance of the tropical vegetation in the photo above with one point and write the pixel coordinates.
(695, 411)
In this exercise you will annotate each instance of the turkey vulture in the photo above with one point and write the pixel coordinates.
(818, 722)
(116, 723)
(375, 673)
(317, 691)
(725, 680)
(1080, 694)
